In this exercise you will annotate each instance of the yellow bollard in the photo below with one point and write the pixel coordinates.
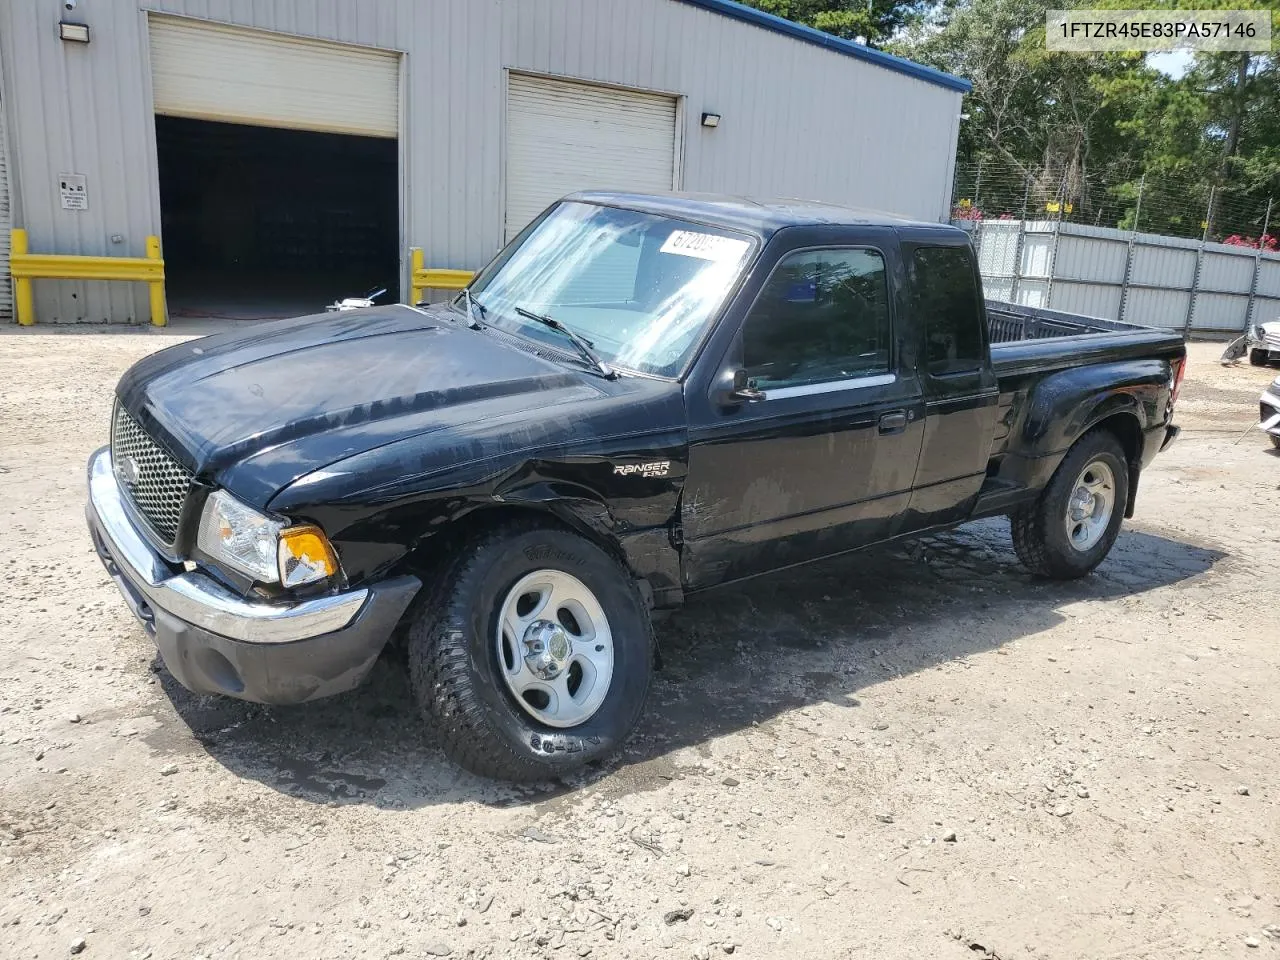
(415, 269)
(158, 318)
(23, 301)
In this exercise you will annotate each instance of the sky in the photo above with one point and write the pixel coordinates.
(1174, 63)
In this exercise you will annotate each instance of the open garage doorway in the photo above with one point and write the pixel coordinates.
(278, 162)
(264, 222)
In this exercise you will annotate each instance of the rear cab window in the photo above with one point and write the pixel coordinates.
(947, 302)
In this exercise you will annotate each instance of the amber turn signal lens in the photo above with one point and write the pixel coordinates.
(306, 556)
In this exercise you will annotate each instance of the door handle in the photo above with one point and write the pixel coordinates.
(894, 422)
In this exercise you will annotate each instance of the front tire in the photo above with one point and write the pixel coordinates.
(1071, 528)
(534, 656)
(1259, 358)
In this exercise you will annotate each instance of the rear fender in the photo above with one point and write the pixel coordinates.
(1065, 405)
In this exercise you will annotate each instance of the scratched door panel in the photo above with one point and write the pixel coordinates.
(796, 479)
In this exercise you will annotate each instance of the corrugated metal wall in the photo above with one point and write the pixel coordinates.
(798, 120)
(1142, 278)
(6, 282)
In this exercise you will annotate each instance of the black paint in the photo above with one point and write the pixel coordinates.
(396, 429)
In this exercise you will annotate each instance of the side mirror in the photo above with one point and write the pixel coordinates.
(741, 390)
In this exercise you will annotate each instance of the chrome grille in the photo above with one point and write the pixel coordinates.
(155, 482)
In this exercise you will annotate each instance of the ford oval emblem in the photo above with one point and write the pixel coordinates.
(128, 470)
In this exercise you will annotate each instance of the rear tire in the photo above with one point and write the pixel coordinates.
(474, 679)
(1275, 441)
(1259, 358)
(1071, 528)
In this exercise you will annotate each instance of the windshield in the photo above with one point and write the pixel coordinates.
(639, 288)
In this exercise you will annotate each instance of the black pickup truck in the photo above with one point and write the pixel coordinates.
(640, 398)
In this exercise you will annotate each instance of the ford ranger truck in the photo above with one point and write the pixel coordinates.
(639, 399)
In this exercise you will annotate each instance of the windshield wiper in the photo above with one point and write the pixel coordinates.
(582, 343)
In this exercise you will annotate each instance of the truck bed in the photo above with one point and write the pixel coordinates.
(1027, 340)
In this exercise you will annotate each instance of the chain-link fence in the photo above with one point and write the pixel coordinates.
(1169, 204)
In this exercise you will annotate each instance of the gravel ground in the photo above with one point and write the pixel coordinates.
(918, 752)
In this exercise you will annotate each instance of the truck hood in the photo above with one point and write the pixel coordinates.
(255, 410)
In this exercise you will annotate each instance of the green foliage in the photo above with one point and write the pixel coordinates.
(1098, 130)
(874, 20)
(1089, 130)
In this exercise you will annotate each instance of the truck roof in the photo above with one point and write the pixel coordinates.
(762, 217)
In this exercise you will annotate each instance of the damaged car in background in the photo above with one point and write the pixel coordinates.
(640, 399)
(1262, 344)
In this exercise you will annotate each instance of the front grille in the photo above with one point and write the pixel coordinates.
(155, 482)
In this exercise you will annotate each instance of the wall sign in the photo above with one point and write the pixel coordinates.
(75, 196)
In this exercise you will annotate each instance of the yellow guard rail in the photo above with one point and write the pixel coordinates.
(437, 278)
(25, 267)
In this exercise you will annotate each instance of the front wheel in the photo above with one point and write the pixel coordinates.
(1259, 358)
(534, 657)
(1071, 528)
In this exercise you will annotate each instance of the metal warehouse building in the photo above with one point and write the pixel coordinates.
(291, 151)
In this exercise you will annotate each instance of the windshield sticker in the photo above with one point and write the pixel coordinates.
(705, 246)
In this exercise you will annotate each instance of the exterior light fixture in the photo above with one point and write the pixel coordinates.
(711, 119)
(75, 32)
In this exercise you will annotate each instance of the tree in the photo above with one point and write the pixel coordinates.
(873, 20)
(1233, 152)
(1095, 130)
(1040, 126)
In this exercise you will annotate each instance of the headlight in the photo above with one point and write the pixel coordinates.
(240, 537)
(1259, 333)
(259, 547)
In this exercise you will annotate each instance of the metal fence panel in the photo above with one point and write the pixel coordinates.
(1033, 293)
(998, 253)
(1269, 278)
(1088, 258)
(1037, 253)
(1264, 310)
(1161, 266)
(1226, 273)
(1219, 312)
(1153, 307)
(998, 288)
(1169, 282)
(1090, 299)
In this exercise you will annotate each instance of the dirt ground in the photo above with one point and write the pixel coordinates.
(912, 753)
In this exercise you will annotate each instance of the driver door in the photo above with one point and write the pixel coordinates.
(823, 461)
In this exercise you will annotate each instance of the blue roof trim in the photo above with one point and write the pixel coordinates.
(847, 47)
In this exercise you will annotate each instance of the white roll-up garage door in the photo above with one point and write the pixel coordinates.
(564, 136)
(209, 71)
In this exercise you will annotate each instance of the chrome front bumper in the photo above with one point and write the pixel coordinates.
(216, 642)
(196, 598)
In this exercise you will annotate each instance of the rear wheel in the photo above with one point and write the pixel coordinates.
(1275, 441)
(1259, 358)
(1071, 528)
(534, 656)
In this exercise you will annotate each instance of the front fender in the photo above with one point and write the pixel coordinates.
(628, 512)
(377, 531)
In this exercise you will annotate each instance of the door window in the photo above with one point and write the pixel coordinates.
(823, 316)
(945, 298)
